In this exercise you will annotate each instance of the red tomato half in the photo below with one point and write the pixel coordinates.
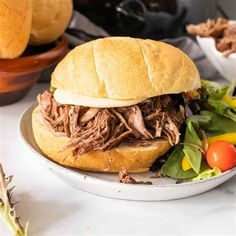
(222, 155)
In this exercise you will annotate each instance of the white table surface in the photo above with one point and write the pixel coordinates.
(54, 208)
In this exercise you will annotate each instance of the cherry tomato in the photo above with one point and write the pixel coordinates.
(222, 155)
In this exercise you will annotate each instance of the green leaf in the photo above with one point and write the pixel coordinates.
(219, 119)
(208, 173)
(214, 88)
(215, 94)
(211, 123)
(191, 144)
(214, 124)
(52, 89)
(222, 108)
(173, 166)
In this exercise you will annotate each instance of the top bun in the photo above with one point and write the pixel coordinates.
(50, 19)
(15, 24)
(125, 68)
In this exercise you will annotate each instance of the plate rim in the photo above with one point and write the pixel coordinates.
(75, 172)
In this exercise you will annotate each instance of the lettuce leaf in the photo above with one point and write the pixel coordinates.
(191, 144)
(191, 148)
(214, 99)
(206, 174)
(173, 165)
(214, 124)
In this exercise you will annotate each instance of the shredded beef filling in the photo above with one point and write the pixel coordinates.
(210, 28)
(104, 128)
(125, 178)
(223, 33)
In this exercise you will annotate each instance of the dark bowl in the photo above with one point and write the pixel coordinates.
(18, 75)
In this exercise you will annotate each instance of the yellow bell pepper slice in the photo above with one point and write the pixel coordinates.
(229, 100)
(229, 137)
(185, 164)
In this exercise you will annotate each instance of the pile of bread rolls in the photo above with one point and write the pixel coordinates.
(36, 22)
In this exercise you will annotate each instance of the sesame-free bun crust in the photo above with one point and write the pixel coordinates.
(133, 159)
(15, 24)
(49, 21)
(125, 68)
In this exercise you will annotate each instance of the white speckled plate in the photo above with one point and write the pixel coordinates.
(107, 184)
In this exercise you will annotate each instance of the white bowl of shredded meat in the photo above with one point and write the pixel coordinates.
(218, 41)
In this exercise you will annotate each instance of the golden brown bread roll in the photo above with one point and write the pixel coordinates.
(125, 68)
(15, 24)
(50, 19)
(134, 159)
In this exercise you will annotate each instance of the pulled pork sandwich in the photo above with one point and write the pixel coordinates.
(117, 103)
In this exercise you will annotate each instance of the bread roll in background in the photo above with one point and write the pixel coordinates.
(50, 19)
(15, 24)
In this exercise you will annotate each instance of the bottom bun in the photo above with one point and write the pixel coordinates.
(133, 159)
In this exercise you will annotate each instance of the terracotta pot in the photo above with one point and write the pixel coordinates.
(18, 75)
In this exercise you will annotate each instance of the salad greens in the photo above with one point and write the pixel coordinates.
(214, 124)
(173, 165)
(193, 152)
(217, 117)
(52, 89)
(208, 173)
(215, 98)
